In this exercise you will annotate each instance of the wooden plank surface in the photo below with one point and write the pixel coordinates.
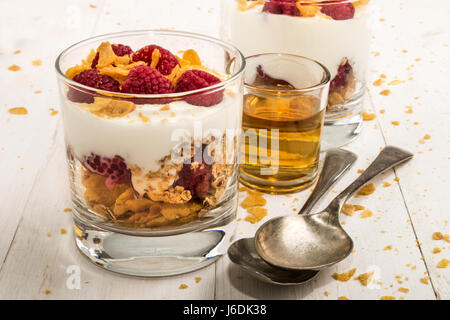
(410, 41)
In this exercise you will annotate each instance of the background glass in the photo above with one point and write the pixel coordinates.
(284, 107)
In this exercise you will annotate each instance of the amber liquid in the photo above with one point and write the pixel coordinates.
(295, 124)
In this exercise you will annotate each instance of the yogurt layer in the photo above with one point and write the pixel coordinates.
(146, 135)
(325, 40)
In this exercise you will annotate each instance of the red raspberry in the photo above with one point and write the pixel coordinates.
(264, 79)
(119, 49)
(197, 79)
(91, 78)
(286, 7)
(166, 63)
(342, 11)
(195, 179)
(341, 78)
(115, 170)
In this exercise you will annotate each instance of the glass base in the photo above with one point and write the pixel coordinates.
(154, 256)
(274, 186)
(339, 132)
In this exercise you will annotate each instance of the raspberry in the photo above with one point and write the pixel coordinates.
(195, 179)
(264, 79)
(115, 170)
(341, 11)
(286, 7)
(91, 78)
(119, 49)
(166, 63)
(197, 79)
(340, 80)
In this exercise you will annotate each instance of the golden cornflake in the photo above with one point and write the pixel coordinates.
(365, 278)
(385, 92)
(198, 279)
(366, 214)
(343, 298)
(36, 62)
(253, 200)
(165, 107)
(183, 286)
(395, 123)
(344, 276)
(63, 231)
(144, 118)
(256, 214)
(404, 290)
(193, 57)
(443, 263)
(368, 116)
(386, 184)
(18, 111)
(395, 82)
(14, 67)
(67, 210)
(436, 250)
(367, 190)
(112, 108)
(378, 82)
(308, 10)
(424, 280)
(387, 298)
(156, 56)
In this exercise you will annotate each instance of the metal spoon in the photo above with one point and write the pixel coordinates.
(243, 252)
(317, 241)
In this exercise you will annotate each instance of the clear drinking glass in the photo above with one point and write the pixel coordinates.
(285, 98)
(334, 33)
(153, 177)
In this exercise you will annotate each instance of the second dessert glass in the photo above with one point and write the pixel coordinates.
(153, 176)
(334, 33)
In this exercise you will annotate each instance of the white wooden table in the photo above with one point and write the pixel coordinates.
(410, 43)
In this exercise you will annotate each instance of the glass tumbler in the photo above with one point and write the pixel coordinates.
(285, 98)
(153, 176)
(335, 33)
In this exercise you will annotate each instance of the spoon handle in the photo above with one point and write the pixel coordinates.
(337, 162)
(387, 159)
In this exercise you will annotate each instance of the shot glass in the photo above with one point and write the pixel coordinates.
(285, 98)
(153, 175)
(335, 33)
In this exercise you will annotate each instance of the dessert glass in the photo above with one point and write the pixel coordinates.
(334, 33)
(141, 219)
(285, 97)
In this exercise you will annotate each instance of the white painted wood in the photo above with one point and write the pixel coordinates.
(406, 212)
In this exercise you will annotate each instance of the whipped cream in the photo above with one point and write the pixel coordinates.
(144, 136)
(320, 38)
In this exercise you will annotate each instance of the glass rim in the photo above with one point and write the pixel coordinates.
(61, 75)
(323, 83)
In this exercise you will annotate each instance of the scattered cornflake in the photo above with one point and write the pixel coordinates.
(93, 6)
(404, 51)
(326, 293)
(165, 107)
(385, 92)
(37, 62)
(49, 234)
(37, 91)
(47, 292)
(198, 279)
(395, 82)
(360, 171)
(348, 209)
(53, 112)
(404, 290)
(389, 247)
(437, 250)
(343, 298)
(378, 82)
(144, 118)
(16, 52)
(365, 278)
(344, 276)
(254, 199)
(438, 236)
(387, 298)
(383, 76)
(397, 179)
(395, 123)
(183, 286)
(172, 114)
(382, 111)
(409, 109)
(256, 214)
(67, 210)
(443, 263)
(14, 67)
(366, 214)
(424, 280)
(368, 116)
(418, 59)
(367, 190)
(18, 111)
(63, 231)
(386, 184)
(427, 137)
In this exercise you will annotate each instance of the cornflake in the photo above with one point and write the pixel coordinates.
(344, 276)
(368, 189)
(18, 111)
